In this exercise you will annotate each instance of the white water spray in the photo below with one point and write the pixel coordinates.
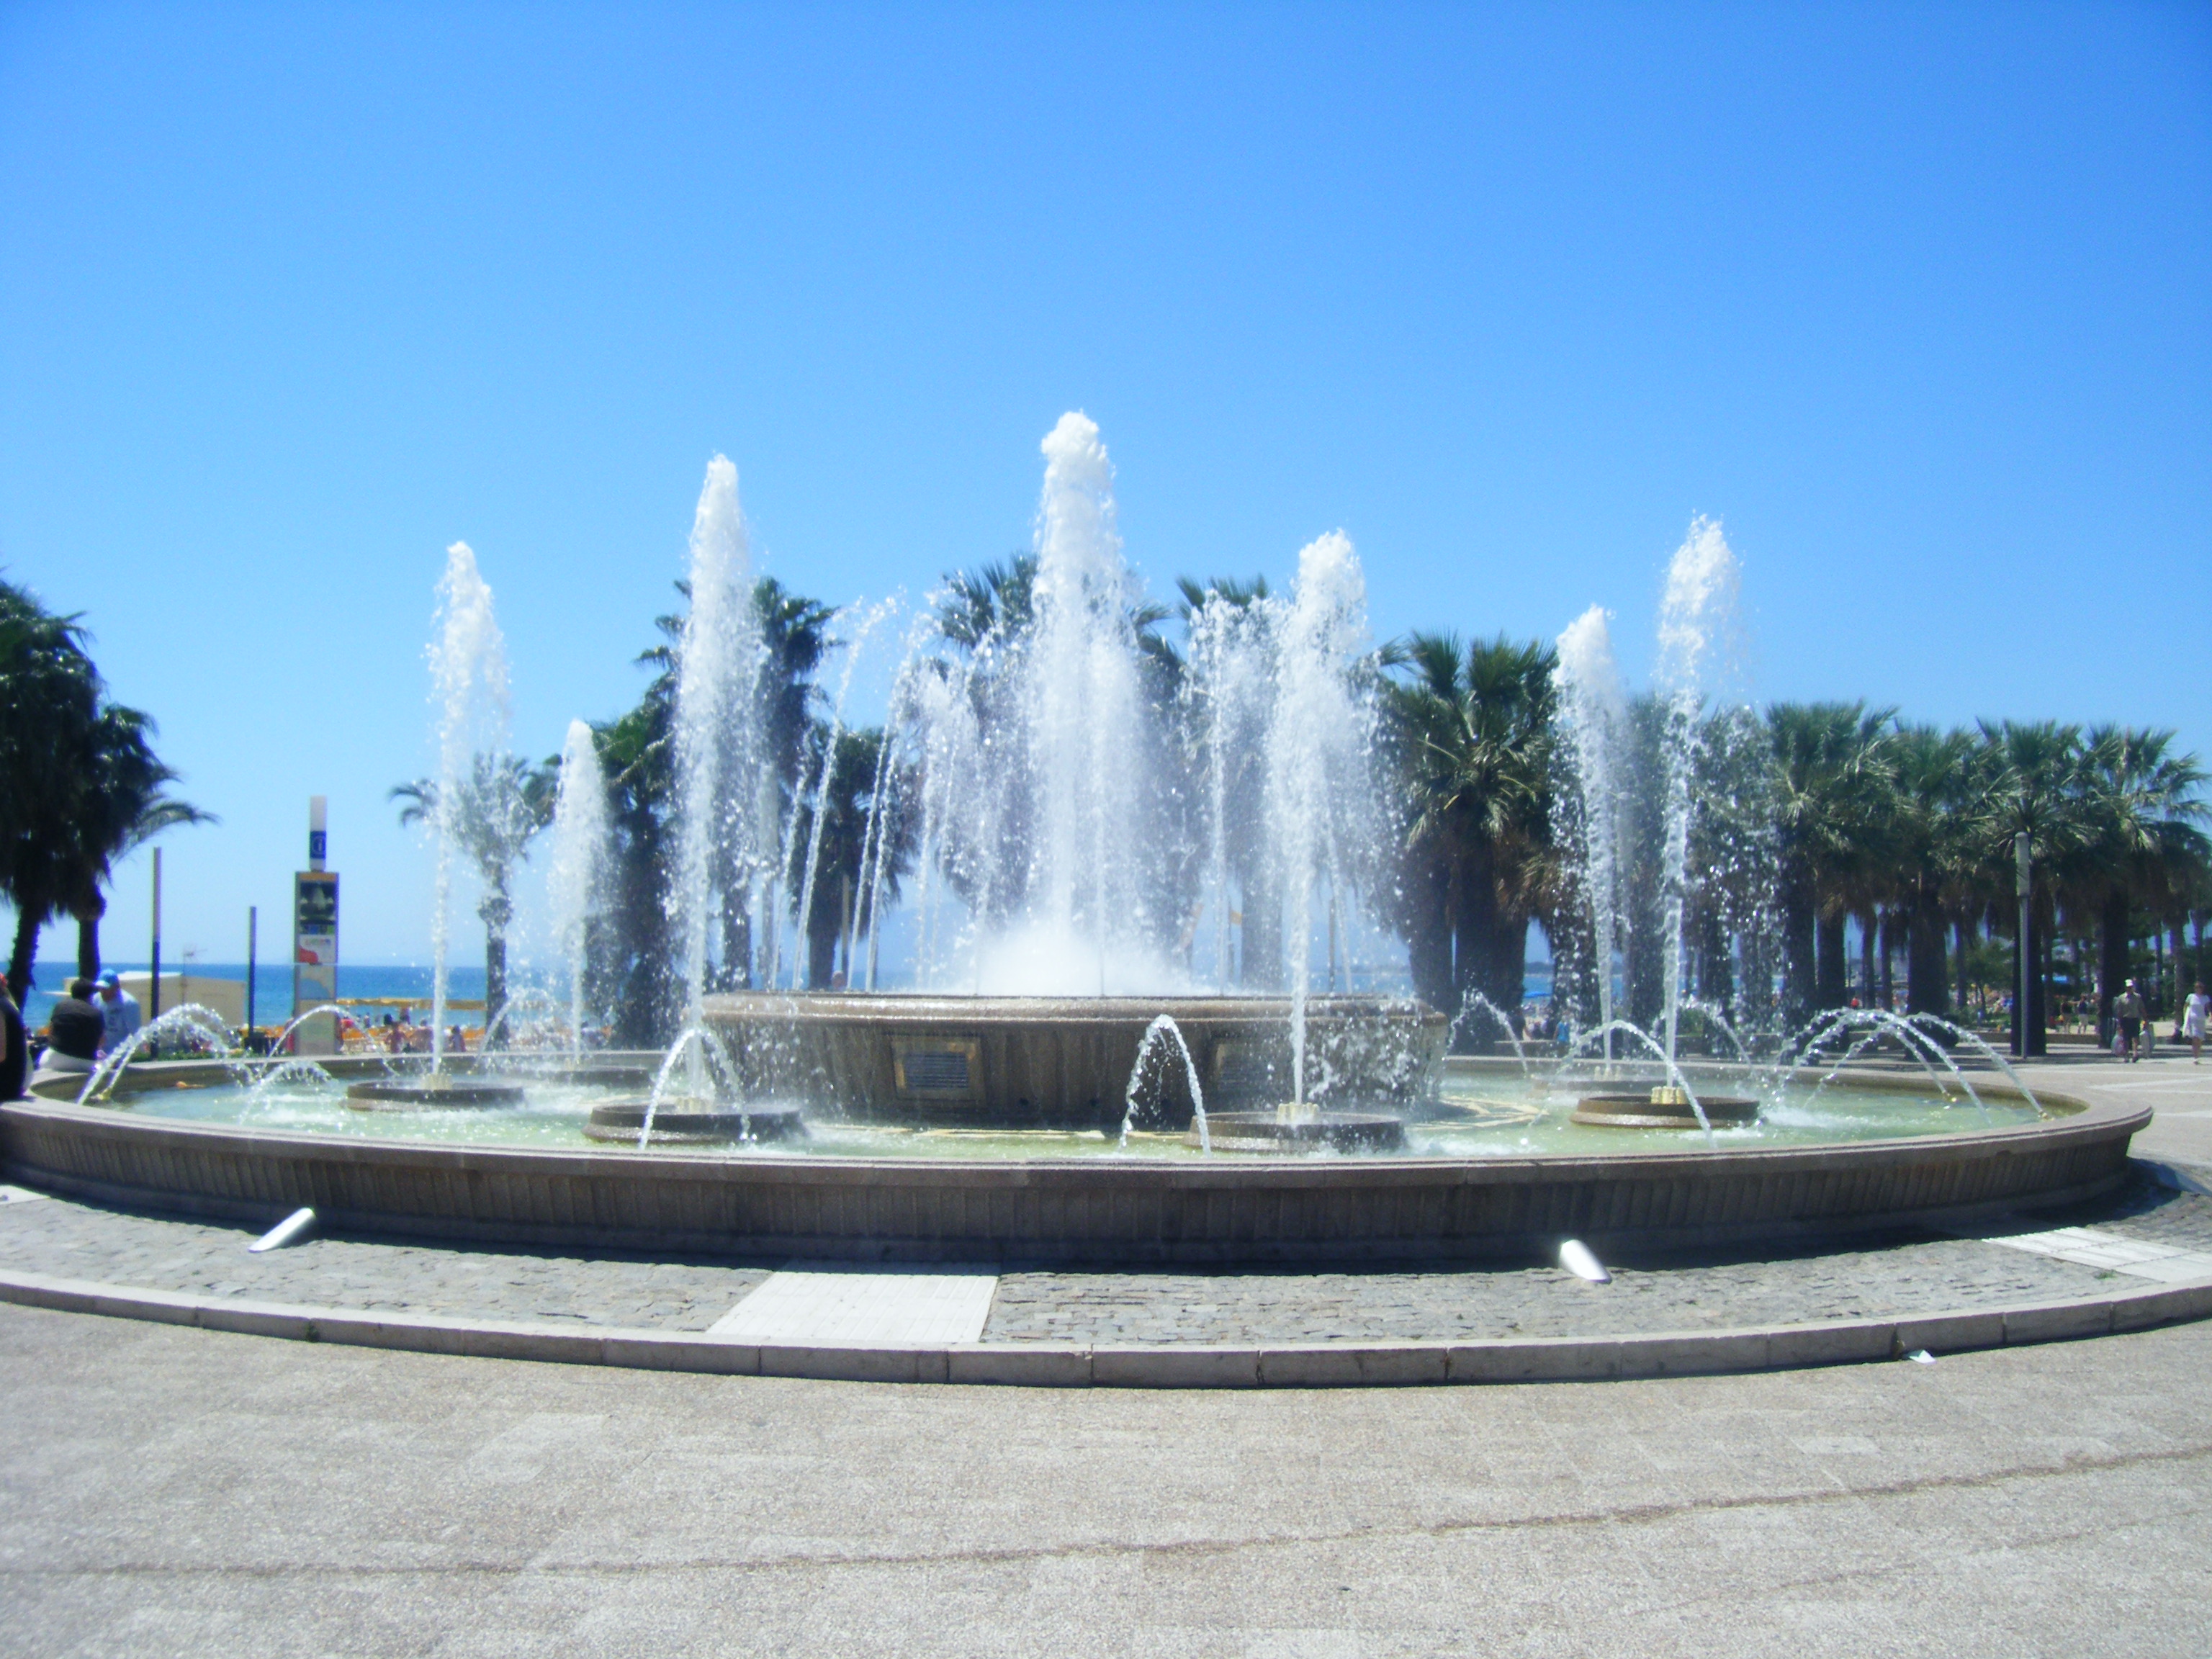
(1595, 711)
(469, 690)
(1698, 617)
(577, 871)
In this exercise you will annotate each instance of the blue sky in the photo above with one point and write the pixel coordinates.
(1917, 299)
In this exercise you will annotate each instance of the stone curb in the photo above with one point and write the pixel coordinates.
(1196, 1365)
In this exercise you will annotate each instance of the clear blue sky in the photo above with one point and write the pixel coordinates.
(1918, 298)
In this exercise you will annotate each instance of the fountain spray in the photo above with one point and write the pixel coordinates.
(1697, 618)
(716, 722)
(468, 677)
(1595, 707)
(1316, 744)
(578, 868)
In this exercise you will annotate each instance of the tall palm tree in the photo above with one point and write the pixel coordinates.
(2036, 787)
(126, 804)
(49, 702)
(1927, 802)
(1830, 780)
(1474, 736)
(2143, 841)
(80, 783)
(848, 860)
(502, 804)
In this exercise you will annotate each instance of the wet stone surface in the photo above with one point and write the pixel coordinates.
(1863, 1279)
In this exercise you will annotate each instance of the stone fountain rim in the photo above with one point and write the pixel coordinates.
(2072, 1119)
(946, 1008)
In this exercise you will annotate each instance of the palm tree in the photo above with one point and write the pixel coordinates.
(2144, 844)
(124, 805)
(1927, 803)
(498, 807)
(1473, 730)
(1830, 775)
(2035, 788)
(80, 783)
(841, 874)
(49, 702)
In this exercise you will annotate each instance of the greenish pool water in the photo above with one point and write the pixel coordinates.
(1501, 1116)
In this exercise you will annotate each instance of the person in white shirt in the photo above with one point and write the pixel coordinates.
(118, 1012)
(2194, 1013)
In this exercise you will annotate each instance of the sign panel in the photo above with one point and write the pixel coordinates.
(315, 958)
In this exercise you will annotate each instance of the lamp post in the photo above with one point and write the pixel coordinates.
(2024, 880)
(153, 979)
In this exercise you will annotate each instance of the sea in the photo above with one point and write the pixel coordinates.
(272, 984)
(272, 987)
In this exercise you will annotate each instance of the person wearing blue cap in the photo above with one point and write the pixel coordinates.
(118, 1012)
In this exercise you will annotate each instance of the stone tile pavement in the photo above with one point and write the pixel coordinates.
(1890, 1278)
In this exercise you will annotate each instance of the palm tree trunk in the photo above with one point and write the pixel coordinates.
(1800, 977)
(1924, 989)
(2111, 955)
(1832, 989)
(495, 986)
(87, 939)
(1474, 935)
(1869, 929)
(28, 919)
(1428, 934)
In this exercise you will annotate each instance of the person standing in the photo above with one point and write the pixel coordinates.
(2128, 1009)
(15, 1048)
(118, 1011)
(2194, 1013)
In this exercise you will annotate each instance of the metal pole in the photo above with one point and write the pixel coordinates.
(253, 934)
(153, 993)
(2024, 878)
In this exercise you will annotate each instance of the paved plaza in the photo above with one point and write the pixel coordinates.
(173, 1491)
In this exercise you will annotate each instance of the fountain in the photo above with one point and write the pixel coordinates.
(576, 873)
(468, 673)
(1043, 805)
(1141, 1026)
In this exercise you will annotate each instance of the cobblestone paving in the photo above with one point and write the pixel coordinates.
(1914, 1276)
(1452, 1306)
(63, 1239)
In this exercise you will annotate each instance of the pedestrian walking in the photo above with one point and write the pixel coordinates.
(2128, 1009)
(2194, 1013)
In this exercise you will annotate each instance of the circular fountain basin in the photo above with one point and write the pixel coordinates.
(1066, 1062)
(1278, 1132)
(438, 1089)
(687, 1121)
(1644, 1112)
(1495, 1167)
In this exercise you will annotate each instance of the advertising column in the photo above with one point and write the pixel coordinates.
(315, 938)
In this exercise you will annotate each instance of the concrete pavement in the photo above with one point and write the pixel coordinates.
(172, 1491)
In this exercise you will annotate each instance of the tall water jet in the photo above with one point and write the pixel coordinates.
(1086, 739)
(870, 620)
(717, 746)
(577, 871)
(1231, 685)
(1698, 617)
(1596, 710)
(1318, 745)
(469, 689)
